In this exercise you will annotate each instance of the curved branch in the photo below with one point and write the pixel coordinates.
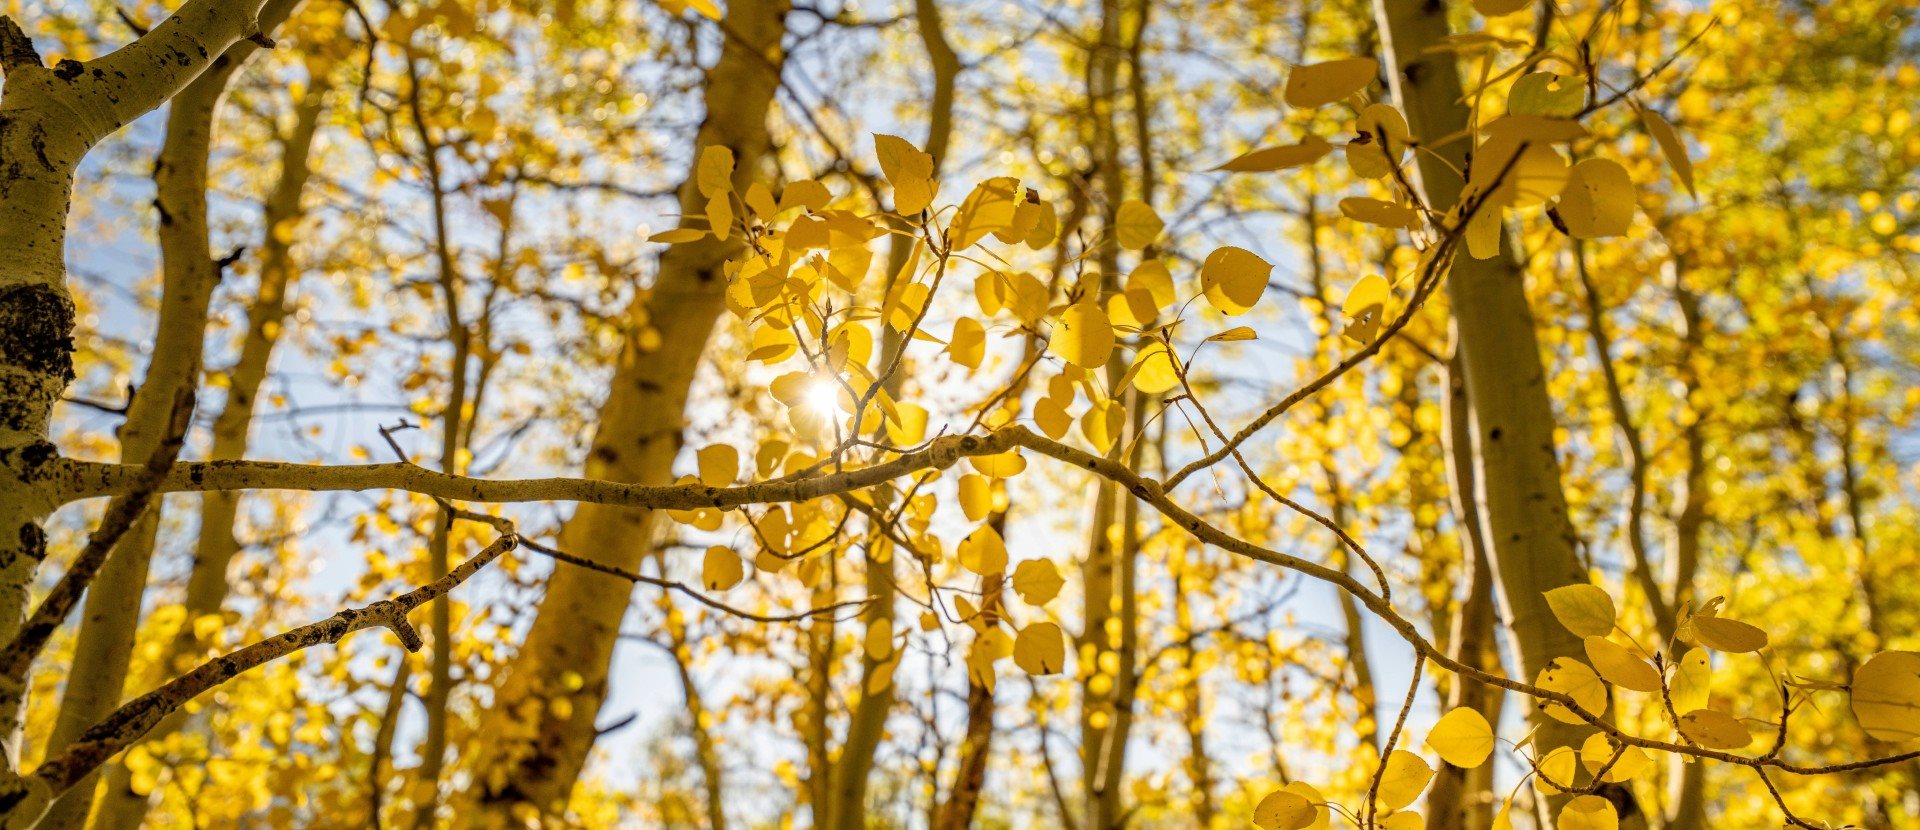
(132, 720)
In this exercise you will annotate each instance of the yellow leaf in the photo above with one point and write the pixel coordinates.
(976, 496)
(1585, 610)
(1384, 138)
(760, 201)
(1037, 581)
(1153, 370)
(1403, 821)
(1535, 128)
(909, 424)
(1269, 159)
(1588, 812)
(1131, 309)
(1320, 84)
(969, 342)
(1102, 424)
(1153, 278)
(1084, 337)
(1052, 417)
(1283, 810)
(1405, 776)
(806, 193)
(678, 235)
(714, 172)
(879, 640)
(1616, 665)
(1598, 750)
(722, 569)
(1462, 737)
(1558, 767)
(1572, 677)
(1234, 279)
(719, 464)
(1136, 225)
(1040, 649)
(882, 675)
(1547, 94)
(706, 8)
(1671, 146)
(720, 215)
(980, 665)
(1322, 817)
(1365, 308)
(1001, 465)
(983, 552)
(1886, 695)
(1692, 682)
(909, 170)
(1044, 225)
(1483, 232)
(1714, 729)
(1379, 212)
(988, 209)
(1234, 335)
(1598, 200)
(1528, 173)
(1728, 635)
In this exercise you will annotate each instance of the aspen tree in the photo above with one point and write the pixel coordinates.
(543, 721)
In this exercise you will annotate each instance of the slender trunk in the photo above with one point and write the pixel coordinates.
(1463, 799)
(706, 752)
(1687, 801)
(453, 425)
(1523, 512)
(816, 723)
(542, 725)
(849, 810)
(49, 120)
(383, 739)
(97, 678)
(120, 805)
(970, 776)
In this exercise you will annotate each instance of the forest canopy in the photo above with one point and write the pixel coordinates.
(943, 414)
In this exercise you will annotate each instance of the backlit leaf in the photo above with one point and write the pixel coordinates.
(1886, 695)
(1462, 737)
(1585, 610)
(1320, 84)
(1234, 279)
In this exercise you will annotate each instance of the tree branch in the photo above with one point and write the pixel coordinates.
(132, 720)
(72, 480)
(16, 49)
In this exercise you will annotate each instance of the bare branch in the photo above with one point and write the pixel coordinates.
(132, 720)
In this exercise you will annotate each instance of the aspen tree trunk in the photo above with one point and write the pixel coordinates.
(976, 747)
(1463, 799)
(705, 750)
(815, 722)
(868, 724)
(109, 620)
(1523, 513)
(49, 120)
(542, 725)
(455, 422)
(207, 586)
(1110, 633)
(1687, 795)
